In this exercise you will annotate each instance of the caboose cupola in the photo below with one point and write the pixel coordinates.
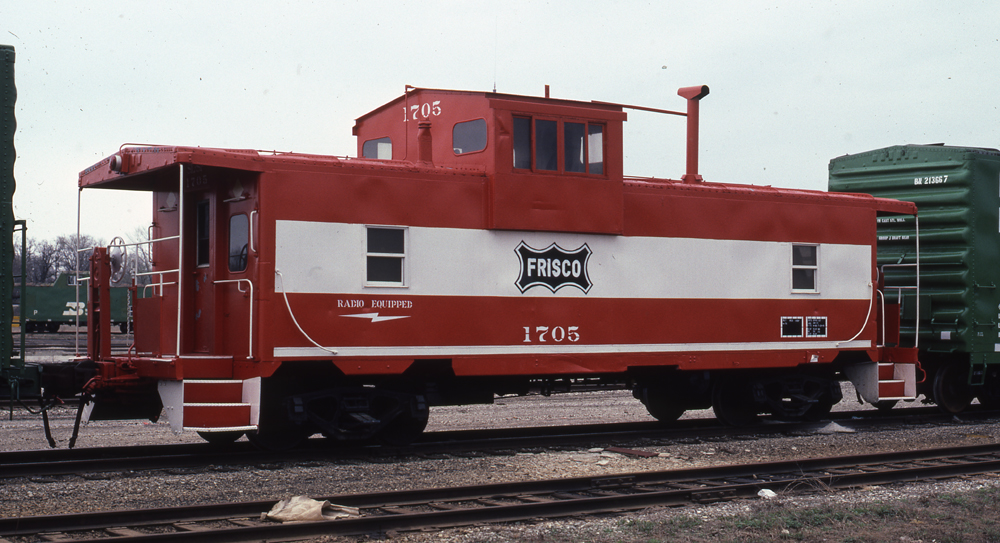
(552, 164)
(495, 133)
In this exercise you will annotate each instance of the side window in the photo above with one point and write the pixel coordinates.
(573, 136)
(522, 143)
(805, 268)
(380, 148)
(239, 239)
(546, 145)
(582, 146)
(595, 148)
(386, 256)
(469, 137)
(203, 225)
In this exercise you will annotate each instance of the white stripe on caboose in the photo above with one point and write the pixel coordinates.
(329, 258)
(563, 348)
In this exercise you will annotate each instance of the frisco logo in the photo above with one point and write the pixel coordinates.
(553, 267)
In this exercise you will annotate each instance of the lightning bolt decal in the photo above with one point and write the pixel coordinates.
(375, 317)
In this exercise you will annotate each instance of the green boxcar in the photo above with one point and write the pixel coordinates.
(47, 307)
(8, 96)
(957, 192)
(17, 380)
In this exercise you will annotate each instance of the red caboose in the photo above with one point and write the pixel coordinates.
(483, 244)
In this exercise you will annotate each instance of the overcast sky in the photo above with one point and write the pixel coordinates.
(793, 83)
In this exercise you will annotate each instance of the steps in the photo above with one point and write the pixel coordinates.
(884, 381)
(211, 405)
(892, 382)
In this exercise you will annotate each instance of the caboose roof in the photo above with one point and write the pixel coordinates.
(414, 95)
(147, 168)
(420, 131)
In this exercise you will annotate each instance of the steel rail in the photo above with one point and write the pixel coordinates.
(448, 507)
(58, 462)
(52, 462)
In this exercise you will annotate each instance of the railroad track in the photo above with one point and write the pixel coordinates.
(55, 462)
(61, 462)
(386, 512)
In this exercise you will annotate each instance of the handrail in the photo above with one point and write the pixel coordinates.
(916, 287)
(144, 287)
(157, 272)
(238, 283)
(180, 254)
(133, 244)
(916, 328)
(281, 281)
(871, 304)
(881, 297)
(149, 243)
(253, 247)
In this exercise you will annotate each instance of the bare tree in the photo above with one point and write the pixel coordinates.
(43, 262)
(46, 260)
(67, 250)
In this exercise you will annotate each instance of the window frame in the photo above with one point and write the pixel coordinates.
(486, 144)
(604, 153)
(531, 142)
(376, 142)
(229, 242)
(203, 234)
(814, 267)
(535, 143)
(402, 257)
(561, 144)
(583, 147)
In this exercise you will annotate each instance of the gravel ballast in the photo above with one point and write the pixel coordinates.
(213, 484)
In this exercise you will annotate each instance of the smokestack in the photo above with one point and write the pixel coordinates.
(693, 95)
(424, 147)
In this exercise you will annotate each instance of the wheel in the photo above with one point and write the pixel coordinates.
(820, 410)
(241, 263)
(826, 395)
(733, 403)
(221, 438)
(52, 327)
(407, 426)
(884, 406)
(118, 255)
(404, 430)
(660, 407)
(123, 328)
(951, 389)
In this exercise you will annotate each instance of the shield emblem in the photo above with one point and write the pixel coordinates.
(553, 267)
